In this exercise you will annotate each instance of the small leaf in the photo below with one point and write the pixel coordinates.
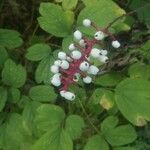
(13, 75)
(49, 116)
(42, 93)
(53, 20)
(54, 139)
(133, 100)
(43, 72)
(69, 4)
(74, 126)
(13, 95)
(3, 98)
(10, 38)
(96, 142)
(38, 52)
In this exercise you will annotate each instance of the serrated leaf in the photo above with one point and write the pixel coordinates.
(133, 100)
(43, 73)
(10, 38)
(13, 75)
(38, 52)
(3, 98)
(96, 142)
(49, 116)
(74, 126)
(55, 139)
(53, 20)
(98, 13)
(69, 4)
(42, 93)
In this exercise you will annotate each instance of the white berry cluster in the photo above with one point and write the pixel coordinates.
(75, 65)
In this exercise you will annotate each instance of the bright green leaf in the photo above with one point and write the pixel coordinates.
(49, 116)
(96, 142)
(13, 75)
(69, 4)
(53, 20)
(133, 100)
(38, 52)
(74, 126)
(42, 93)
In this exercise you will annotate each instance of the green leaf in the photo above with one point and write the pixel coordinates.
(42, 93)
(3, 56)
(49, 116)
(69, 4)
(38, 52)
(10, 38)
(13, 95)
(54, 139)
(109, 79)
(109, 123)
(139, 70)
(66, 42)
(43, 73)
(74, 126)
(53, 20)
(96, 142)
(120, 135)
(133, 100)
(3, 98)
(125, 148)
(13, 75)
(98, 13)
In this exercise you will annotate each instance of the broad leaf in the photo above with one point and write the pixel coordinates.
(96, 142)
(38, 52)
(74, 126)
(53, 20)
(49, 116)
(54, 139)
(13, 75)
(69, 4)
(133, 100)
(42, 93)
(10, 38)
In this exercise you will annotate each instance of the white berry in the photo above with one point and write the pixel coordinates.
(99, 35)
(103, 59)
(103, 52)
(57, 62)
(87, 80)
(82, 43)
(87, 22)
(72, 47)
(95, 53)
(69, 96)
(115, 44)
(93, 70)
(84, 66)
(76, 54)
(64, 64)
(77, 35)
(76, 77)
(62, 55)
(54, 69)
(62, 93)
(56, 80)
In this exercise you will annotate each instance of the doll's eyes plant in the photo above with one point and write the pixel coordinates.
(70, 67)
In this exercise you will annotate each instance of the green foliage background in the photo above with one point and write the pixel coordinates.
(113, 113)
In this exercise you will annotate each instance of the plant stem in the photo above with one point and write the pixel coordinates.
(84, 111)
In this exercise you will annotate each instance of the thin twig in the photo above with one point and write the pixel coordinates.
(124, 15)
